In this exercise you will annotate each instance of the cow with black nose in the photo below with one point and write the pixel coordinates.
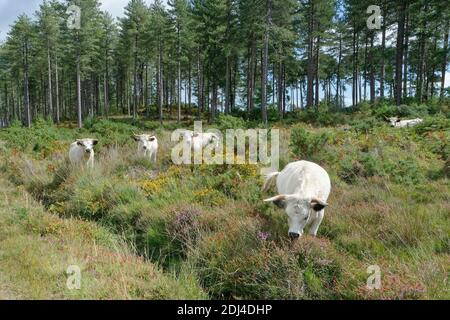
(147, 146)
(303, 189)
(82, 151)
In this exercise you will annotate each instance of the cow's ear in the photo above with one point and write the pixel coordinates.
(79, 143)
(279, 200)
(152, 138)
(318, 204)
(94, 141)
(135, 138)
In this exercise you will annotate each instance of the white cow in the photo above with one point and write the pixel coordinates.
(206, 138)
(303, 189)
(397, 123)
(82, 151)
(147, 145)
(200, 140)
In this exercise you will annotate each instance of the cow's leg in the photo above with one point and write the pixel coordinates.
(90, 163)
(316, 223)
(154, 156)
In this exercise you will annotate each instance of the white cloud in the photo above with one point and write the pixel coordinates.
(11, 9)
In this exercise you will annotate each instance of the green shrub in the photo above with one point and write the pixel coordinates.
(320, 117)
(305, 144)
(224, 122)
(111, 133)
(433, 124)
(365, 125)
(42, 139)
(408, 172)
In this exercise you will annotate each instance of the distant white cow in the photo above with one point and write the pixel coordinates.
(82, 151)
(197, 140)
(397, 123)
(303, 189)
(206, 138)
(147, 145)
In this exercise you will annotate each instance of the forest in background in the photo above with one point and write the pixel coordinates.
(249, 58)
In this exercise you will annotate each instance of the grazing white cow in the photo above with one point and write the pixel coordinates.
(82, 151)
(303, 189)
(147, 145)
(397, 123)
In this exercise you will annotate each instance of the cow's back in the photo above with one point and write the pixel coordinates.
(305, 178)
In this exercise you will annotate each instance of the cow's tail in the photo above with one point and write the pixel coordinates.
(269, 182)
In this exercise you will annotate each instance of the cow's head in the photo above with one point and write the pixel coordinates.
(393, 120)
(298, 210)
(87, 144)
(214, 139)
(143, 140)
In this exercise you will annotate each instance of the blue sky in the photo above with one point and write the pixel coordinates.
(11, 9)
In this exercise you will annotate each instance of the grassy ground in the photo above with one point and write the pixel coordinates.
(37, 247)
(143, 230)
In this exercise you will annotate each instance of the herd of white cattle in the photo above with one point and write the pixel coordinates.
(303, 187)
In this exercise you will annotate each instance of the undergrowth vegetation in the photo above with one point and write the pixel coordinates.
(204, 232)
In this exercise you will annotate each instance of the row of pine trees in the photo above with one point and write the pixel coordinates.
(202, 57)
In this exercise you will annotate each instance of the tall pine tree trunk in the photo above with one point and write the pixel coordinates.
(199, 85)
(227, 85)
(49, 86)
(372, 71)
(213, 102)
(310, 66)
(338, 73)
(190, 87)
(383, 46)
(365, 67)
(405, 63)
(58, 115)
(280, 89)
(160, 85)
(317, 75)
(179, 75)
(399, 52)
(444, 61)
(80, 121)
(26, 89)
(135, 93)
(265, 61)
(420, 75)
(146, 97)
(179, 92)
(354, 75)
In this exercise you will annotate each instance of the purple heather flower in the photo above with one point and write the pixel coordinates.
(263, 236)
